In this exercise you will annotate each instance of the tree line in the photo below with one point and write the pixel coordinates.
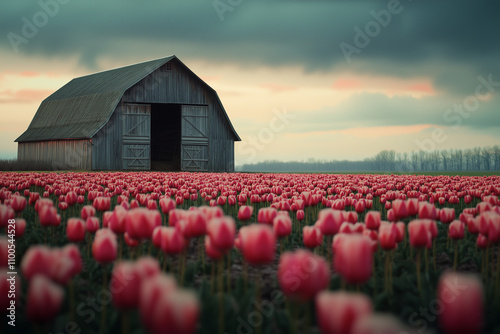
(471, 159)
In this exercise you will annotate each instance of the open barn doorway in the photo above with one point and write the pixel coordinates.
(166, 137)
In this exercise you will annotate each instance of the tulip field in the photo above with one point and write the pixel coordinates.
(154, 252)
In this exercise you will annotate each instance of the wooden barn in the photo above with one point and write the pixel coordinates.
(155, 115)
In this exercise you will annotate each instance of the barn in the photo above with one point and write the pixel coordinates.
(156, 115)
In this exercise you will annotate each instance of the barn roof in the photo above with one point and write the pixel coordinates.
(84, 105)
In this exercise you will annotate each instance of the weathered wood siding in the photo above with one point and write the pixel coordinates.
(107, 144)
(136, 139)
(62, 154)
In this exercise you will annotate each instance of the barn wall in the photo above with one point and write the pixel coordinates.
(62, 154)
(180, 86)
(107, 144)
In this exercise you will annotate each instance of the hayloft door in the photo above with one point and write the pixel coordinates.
(194, 142)
(136, 127)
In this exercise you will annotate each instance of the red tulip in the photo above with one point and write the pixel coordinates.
(446, 215)
(71, 198)
(117, 220)
(337, 312)
(106, 218)
(456, 230)
(102, 203)
(75, 230)
(372, 220)
(196, 224)
(72, 252)
(427, 211)
(353, 258)
(419, 233)
(301, 274)
(48, 216)
(151, 290)
(44, 299)
(282, 226)
(266, 215)
(258, 243)
(212, 252)
(399, 208)
(329, 221)
(387, 236)
(401, 229)
(92, 224)
(104, 247)
(167, 204)
(125, 285)
(18, 203)
(245, 212)
(300, 215)
(312, 236)
(35, 261)
(461, 303)
(20, 225)
(141, 222)
(87, 211)
(482, 241)
(6, 213)
(412, 206)
(172, 240)
(222, 232)
(494, 230)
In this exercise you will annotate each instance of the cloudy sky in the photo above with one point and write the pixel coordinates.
(299, 79)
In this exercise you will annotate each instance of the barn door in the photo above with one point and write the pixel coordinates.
(194, 145)
(136, 150)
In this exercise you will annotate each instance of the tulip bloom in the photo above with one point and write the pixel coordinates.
(125, 285)
(301, 274)
(92, 224)
(141, 222)
(75, 230)
(167, 204)
(104, 247)
(117, 220)
(427, 210)
(257, 243)
(372, 220)
(353, 258)
(20, 224)
(338, 312)
(387, 236)
(419, 233)
(312, 236)
(171, 240)
(102, 203)
(18, 203)
(222, 232)
(456, 230)
(44, 299)
(462, 303)
(6, 213)
(329, 221)
(212, 252)
(48, 216)
(282, 226)
(245, 212)
(300, 215)
(266, 215)
(87, 211)
(399, 208)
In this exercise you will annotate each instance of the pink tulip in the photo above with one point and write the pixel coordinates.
(372, 220)
(44, 299)
(353, 258)
(245, 212)
(75, 230)
(338, 312)
(222, 232)
(258, 243)
(329, 221)
(462, 303)
(282, 226)
(104, 247)
(301, 274)
(456, 230)
(312, 236)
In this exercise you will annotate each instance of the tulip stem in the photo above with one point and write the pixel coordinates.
(245, 275)
(497, 283)
(71, 300)
(165, 260)
(103, 301)
(221, 295)
(456, 256)
(426, 262)
(125, 322)
(434, 253)
(419, 284)
(212, 275)
(229, 272)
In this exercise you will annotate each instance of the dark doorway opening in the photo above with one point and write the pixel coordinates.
(166, 137)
